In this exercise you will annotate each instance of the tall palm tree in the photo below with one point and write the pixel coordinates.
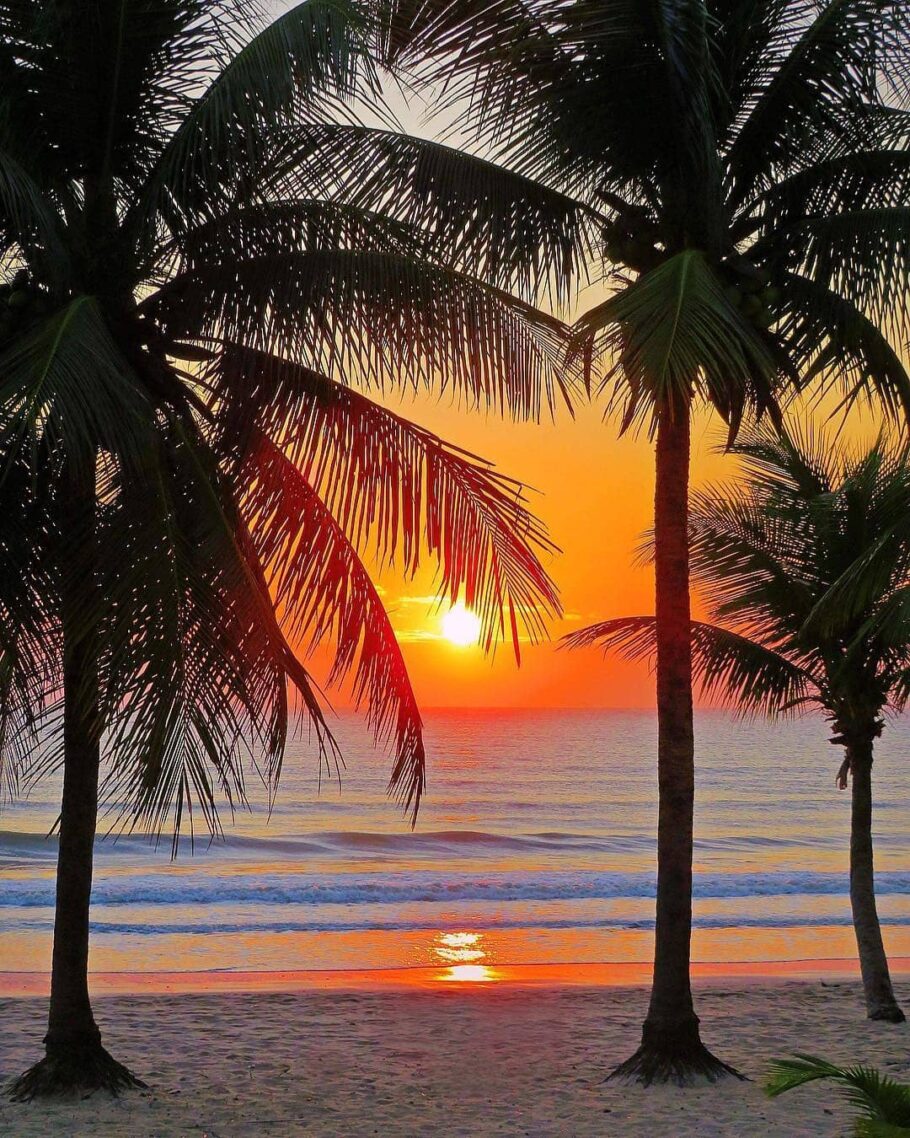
(808, 567)
(187, 482)
(745, 170)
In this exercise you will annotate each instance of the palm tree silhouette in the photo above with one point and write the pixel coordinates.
(187, 483)
(744, 170)
(808, 568)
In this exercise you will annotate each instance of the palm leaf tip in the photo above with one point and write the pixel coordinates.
(787, 1074)
(728, 665)
(408, 780)
(882, 1103)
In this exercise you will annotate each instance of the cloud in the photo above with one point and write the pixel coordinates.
(416, 635)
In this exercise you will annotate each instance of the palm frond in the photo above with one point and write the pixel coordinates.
(865, 585)
(313, 53)
(673, 331)
(833, 342)
(577, 96)
(28, 219)
(790, 465)
(873, 1128)
(879, 1098)
(398, 488)
(729, 666)
(30, 650)
(828, 63)
(849, 183)
(487, 220)
(195, 668)
(810, 560)
(379, 316)
(862, 255)
(66, 384)
(324, 593)
(256, 230)
(752, 564)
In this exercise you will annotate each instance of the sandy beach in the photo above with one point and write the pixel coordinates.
(462, 1060)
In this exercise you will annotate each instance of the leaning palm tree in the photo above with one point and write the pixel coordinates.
(807, 566)
(745, 173)
(882, 1104)
(188, 482)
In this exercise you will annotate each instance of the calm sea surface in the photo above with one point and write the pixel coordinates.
(535, 845)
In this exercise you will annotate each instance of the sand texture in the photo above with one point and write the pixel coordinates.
(464, 1061)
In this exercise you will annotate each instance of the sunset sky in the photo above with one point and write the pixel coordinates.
(594, 491)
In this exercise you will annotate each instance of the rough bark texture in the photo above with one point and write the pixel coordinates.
(671, 1049)
(880, 1001)
(75, 1061)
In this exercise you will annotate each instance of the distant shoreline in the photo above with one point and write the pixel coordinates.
(626, 974)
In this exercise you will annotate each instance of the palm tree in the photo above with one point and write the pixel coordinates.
(187, 481)
(810, 563)
(745, 171)
(883, 1104)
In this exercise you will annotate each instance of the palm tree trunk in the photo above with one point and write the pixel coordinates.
(880, 1001)
(74, 1058)
(671, 1048)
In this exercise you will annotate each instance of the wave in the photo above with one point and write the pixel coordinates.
(481, 924)
(17, 848)
(180, 887)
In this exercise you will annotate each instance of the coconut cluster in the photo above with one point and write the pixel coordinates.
(21, 303)
(631, 239)
(751, 291)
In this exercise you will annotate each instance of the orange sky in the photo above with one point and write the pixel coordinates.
(594, 491)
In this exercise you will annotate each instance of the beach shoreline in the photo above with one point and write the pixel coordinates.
(460, 1060)
(589, 975)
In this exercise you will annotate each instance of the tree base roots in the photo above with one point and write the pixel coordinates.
(683, 1066)
(73, 1071)
(892, 1014)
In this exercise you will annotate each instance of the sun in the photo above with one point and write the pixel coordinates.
(460, 626)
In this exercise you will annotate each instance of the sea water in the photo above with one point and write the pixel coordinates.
(535, 844)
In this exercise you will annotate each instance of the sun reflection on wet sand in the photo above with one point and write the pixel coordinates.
(463, 953)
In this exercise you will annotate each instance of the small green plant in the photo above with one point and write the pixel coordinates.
(882, 1103)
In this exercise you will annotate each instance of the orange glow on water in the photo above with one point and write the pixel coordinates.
(470, 974)
(460, 948)
(463, 953)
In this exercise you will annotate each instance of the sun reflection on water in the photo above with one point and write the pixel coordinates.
(463, 955)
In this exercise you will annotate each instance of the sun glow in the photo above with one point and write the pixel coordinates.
(470, 974)
(461, 953)
(460, 626)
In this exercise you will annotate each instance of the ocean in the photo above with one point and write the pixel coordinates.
(535, 845)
